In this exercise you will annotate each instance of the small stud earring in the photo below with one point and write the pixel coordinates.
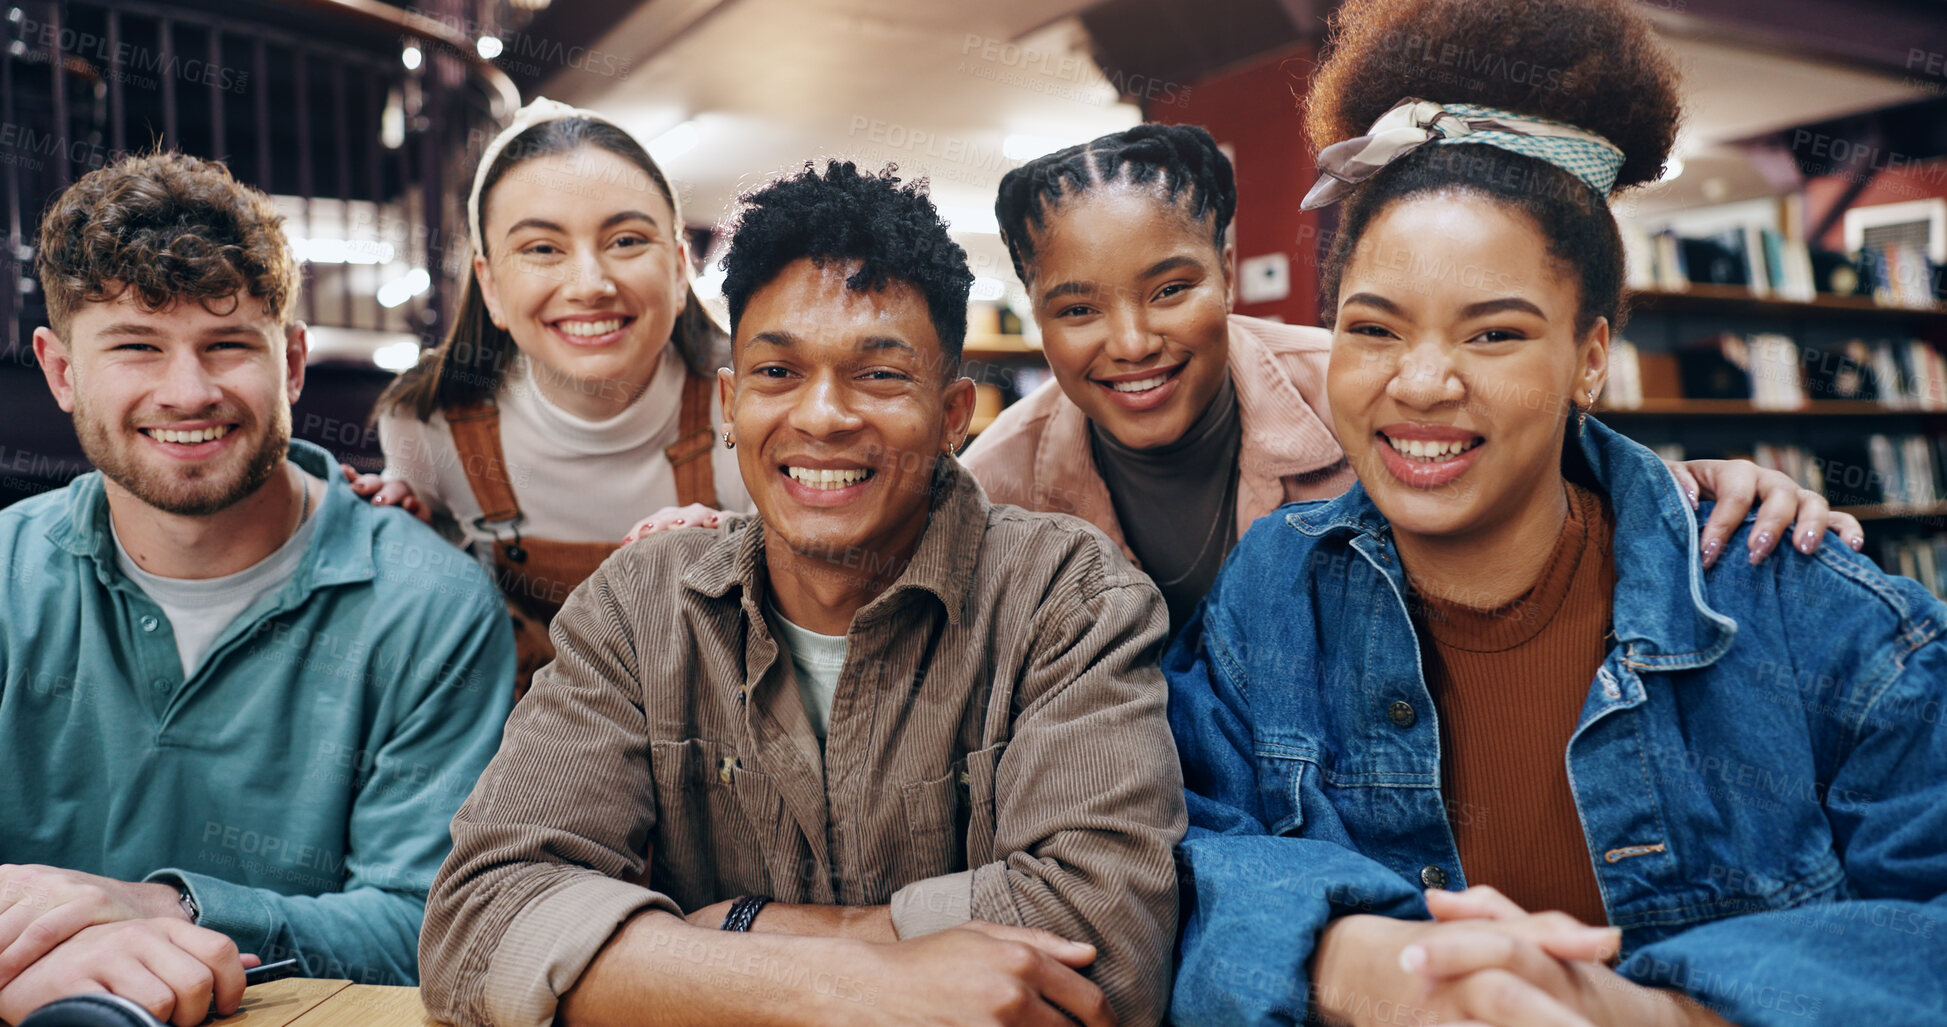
(728, 442)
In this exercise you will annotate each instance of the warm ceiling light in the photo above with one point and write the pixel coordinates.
(397, 291)
(674, 143)
(1018, 146)
(975, 220)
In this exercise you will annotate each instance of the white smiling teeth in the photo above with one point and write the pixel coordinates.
(590, 328)
(828, 478)
(188, 438)
(1422, 449)
(1143, 385)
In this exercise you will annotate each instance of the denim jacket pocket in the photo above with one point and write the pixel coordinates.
(1281, 774)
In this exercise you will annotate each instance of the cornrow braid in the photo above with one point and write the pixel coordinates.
(1182, 160)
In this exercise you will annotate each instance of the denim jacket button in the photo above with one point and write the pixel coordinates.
(1401, 713)
(150, 624)
(1433, 877)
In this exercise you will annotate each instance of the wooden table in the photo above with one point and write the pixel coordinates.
(305, 1002)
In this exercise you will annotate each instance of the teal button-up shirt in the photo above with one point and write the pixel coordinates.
(300, 783)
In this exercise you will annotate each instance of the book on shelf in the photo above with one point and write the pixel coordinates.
(1780, 265)
(1773, 363)
(1902, 471)
(1636, 374)
(1843, 372)
(1796, 462)
(1773, 372)
(1901, 275)
(1921, 558)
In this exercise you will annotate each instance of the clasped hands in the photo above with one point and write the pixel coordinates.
(1484, 960)
(67, 933)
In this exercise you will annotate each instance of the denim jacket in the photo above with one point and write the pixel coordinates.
(1759, 768)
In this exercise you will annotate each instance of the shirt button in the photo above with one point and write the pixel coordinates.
(725, 767)
(1433, 877)
(1401, 713)
(160, 684)
(149, 623)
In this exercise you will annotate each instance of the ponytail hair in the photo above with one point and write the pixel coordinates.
(470, 364)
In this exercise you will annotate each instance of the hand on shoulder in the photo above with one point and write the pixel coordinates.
(387, 493)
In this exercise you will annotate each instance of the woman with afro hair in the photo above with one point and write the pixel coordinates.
(1480, 741)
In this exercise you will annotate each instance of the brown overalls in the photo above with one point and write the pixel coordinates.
(536, 574)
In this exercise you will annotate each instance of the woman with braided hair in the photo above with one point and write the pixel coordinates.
(1173, 424)
(1481, 741)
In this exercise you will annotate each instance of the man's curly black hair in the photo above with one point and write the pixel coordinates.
(845, 214)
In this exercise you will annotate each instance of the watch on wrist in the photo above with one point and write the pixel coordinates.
(190, 909)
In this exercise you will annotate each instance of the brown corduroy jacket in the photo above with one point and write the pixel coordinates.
(998, 749)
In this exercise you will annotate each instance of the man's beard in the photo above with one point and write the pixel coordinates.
(199, 493)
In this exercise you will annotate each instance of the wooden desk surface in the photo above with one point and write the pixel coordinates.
(303, 1002)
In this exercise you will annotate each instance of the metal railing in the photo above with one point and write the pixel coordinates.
(358, 117)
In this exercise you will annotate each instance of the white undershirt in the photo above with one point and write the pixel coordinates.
(817, 659)
(576, 480)
(199, 609)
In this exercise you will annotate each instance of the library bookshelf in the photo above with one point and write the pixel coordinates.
(1877, 450)
(1004, 367)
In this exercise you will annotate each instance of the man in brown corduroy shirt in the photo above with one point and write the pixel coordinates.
(931, 728)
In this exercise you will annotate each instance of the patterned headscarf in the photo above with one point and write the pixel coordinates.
(1412, 123)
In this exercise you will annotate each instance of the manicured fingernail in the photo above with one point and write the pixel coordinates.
(1412, 958)
(1693, 498)
(1857, 542)
(1807, 542)
(1760, 546)
(680, 520)
(1711, 548)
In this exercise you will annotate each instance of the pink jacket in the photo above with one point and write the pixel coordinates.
(1036, 454)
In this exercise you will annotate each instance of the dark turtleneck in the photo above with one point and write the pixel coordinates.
(1177, 503)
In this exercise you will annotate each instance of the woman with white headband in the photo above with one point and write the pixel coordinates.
(1678, 797)
(577, 386)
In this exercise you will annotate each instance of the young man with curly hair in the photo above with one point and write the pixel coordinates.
(881, 753)
(237, 703)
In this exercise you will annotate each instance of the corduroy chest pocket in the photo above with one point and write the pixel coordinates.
(936, 825)
(705, 846)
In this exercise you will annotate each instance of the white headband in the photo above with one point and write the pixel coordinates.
(539, 111)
